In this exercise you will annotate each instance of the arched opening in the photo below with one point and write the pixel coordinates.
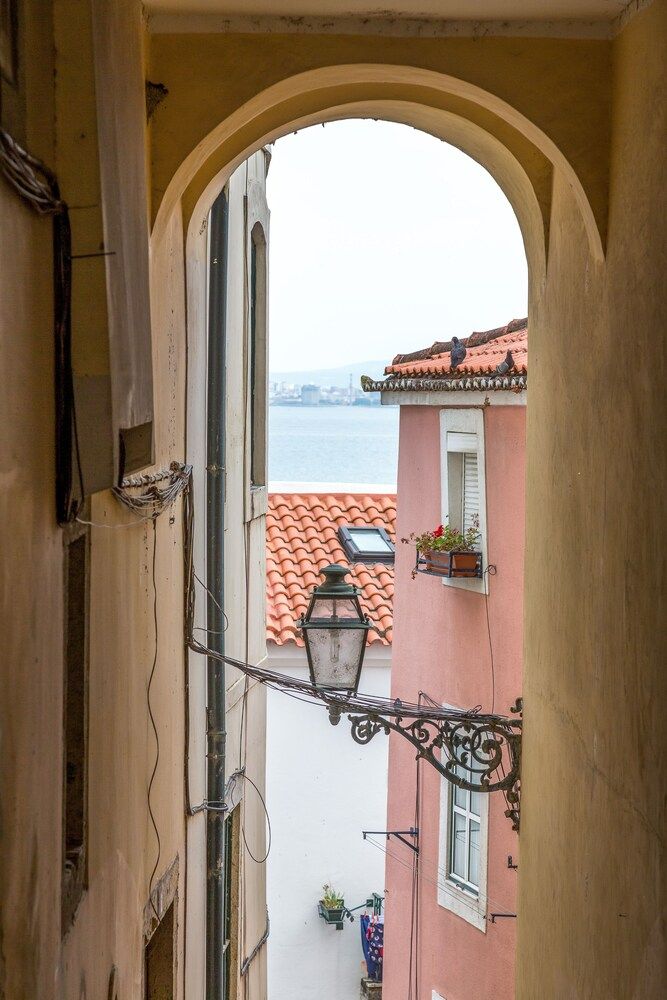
(488, 150)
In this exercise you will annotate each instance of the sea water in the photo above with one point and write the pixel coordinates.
(333, 444)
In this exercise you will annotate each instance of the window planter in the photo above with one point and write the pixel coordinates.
(332, 914)
(453, 565)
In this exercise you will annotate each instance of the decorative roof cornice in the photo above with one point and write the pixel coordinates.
(469, 383)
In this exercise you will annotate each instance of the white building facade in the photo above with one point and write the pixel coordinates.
(323, 789)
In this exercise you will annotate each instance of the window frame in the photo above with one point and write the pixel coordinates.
(256, 349)
(464, 420)
(356, 554)
(454, 896)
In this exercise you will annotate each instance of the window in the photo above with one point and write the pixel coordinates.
(463, 481)
(257, 360)
(371, 545)
(75, 723)
(463, 848)
(464, 837)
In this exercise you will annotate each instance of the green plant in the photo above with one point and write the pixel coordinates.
(444, 538)
(332, 899)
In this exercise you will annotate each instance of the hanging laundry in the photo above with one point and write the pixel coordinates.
(372, 943)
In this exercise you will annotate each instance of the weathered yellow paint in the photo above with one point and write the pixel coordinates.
(530, 84)
(574, 131)
(591, 880)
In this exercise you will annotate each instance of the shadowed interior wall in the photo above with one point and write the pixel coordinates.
(592, 676)
(591, 883)
(593, 823)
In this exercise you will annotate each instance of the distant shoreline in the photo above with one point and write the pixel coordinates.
(297, 404)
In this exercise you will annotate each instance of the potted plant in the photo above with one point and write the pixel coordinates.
(447, 551)
(331, 906)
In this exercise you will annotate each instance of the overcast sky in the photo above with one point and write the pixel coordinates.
(384, 239)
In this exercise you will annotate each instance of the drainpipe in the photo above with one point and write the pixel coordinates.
(215, 580)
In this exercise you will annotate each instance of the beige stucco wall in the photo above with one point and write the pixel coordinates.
(592, 679)
(592, 840)
(109, 925)
(591, 883)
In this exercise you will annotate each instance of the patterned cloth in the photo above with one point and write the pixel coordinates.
(372, 942)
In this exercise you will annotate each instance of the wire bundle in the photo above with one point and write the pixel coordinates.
(154, 498)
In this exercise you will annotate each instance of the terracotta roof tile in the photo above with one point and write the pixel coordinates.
(302, 537)
(484, 352)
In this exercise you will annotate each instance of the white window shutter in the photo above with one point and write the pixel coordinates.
(470, 489)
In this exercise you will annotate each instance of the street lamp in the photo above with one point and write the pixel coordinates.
(334, 630)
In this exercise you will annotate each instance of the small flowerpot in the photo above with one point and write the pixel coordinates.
(332, 914)
(464, 563)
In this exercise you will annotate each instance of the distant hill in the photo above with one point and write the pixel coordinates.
(332, 376)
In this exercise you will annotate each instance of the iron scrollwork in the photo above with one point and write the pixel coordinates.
(481, 753)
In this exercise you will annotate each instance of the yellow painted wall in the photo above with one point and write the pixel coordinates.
(37, 962)
(591, 880)
(593, 832)
(592, 839)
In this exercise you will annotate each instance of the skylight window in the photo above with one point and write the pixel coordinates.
(370, 545)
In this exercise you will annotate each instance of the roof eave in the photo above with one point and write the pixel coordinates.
(469, 383)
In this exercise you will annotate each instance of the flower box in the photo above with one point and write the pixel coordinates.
(448, 552)
(332, 914)
(452, 564)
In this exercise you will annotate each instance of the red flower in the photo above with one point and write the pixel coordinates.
(439, 531)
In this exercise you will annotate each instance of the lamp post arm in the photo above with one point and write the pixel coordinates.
(479, 752)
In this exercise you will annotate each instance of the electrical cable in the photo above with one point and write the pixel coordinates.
(446, 889)
(490, 570)
(155, 729)
(258, 861)
(38, 187)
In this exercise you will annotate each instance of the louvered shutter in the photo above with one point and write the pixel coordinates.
(470, 489)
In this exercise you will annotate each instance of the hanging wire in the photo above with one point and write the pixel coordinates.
(155, 730)
(38, 187)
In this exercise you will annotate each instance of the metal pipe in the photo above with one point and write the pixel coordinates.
(215, 669)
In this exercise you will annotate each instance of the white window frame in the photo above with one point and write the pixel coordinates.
(452, 895)
(257, 233)
(467, 421)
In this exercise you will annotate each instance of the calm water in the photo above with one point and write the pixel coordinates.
(337, 444)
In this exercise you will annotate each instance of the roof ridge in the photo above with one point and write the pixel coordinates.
(474, 339)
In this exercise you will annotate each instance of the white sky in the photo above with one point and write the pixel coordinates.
(384, 239)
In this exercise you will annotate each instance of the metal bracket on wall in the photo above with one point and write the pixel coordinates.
(399, 834)
(496, 916)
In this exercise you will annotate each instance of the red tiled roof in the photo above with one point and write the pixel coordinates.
(485, 350)
(302, 538)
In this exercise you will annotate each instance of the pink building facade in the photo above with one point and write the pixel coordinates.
(450, 914)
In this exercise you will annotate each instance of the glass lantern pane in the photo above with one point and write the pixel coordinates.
(334, 655)
(334, 607)
(474, 853)
(459, 845)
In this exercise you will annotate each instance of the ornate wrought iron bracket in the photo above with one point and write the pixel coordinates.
(479, 752)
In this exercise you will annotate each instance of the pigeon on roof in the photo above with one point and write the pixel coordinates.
(458, 353)
(505, 365)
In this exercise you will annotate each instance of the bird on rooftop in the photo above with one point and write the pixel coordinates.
(505, 365)
(458, 353)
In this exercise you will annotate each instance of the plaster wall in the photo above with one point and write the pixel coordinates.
(105, 943)
(316, 836)
(591, 883)
(451, 663)
(591, 895)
